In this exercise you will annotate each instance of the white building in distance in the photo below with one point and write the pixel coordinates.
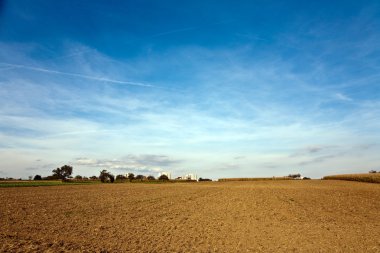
(190, 176)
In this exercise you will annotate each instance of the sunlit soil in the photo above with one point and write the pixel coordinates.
(269, 216)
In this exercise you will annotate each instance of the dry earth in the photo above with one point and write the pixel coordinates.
(271, 216)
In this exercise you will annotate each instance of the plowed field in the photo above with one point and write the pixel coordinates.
(268, 216)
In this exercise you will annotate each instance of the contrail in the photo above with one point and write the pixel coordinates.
(101, 79)
(71, 55)
(7, 68)
(190, 28)
(174, 31)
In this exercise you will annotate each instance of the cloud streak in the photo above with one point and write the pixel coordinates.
(317, 160)
(95, 78)
(185, 29)
(342, 97)
(235, 106)
(131, 163)
(314, 150)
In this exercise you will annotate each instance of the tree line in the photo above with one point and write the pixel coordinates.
(65, 172)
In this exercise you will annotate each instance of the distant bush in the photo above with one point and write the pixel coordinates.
(294, 175)
(306, 178)
(163, 178)
(139, 177)
(37, 177)
(131, 176)
(204, 179)
(151, 178)
(106, 176)
(372, 171)
(52, 177)
(121, 178)
(79, 177)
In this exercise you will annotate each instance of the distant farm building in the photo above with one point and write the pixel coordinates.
(189, 176)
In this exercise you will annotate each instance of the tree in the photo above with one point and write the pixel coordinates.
(151, 178)
(139, 177)
(163, 177)
(105, 176)
(294, 176)
(78, 177)
(121, 177)
(131, 176)
(93, 177)
(52, 177)
(37, 177)
(372, 171)
(63, 172)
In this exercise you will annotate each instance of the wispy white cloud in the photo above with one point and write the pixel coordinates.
(314, 150)
(95, 78)
(342, 97)
(130, 163)
(232, 106)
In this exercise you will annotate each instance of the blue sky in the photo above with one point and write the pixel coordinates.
(217, 88)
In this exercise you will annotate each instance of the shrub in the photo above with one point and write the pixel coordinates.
(151, 178)
(294, 175)
(121, 177)
(163, 178)
(204, 179)
(105, 176)
(139, 177)
(37, 177)
(52, 177)
(131, 176)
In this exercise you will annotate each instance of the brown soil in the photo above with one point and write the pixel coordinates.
(270, 216)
